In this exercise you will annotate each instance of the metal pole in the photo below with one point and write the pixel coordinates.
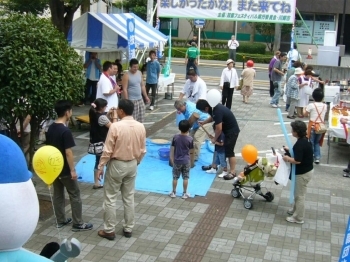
(341, 40)
(236, 30)
(199, 42)
(150, 12)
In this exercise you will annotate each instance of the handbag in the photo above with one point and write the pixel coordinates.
(320, 128)
(283, 171)
(95, 148)
(240, 84)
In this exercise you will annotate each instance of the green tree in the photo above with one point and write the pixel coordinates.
(36, 7)
(37, 68)
(267, 30)
(138, 7)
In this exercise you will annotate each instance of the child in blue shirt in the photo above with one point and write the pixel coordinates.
(181, 157)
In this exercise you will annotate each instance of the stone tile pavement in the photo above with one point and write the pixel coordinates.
(217, 227)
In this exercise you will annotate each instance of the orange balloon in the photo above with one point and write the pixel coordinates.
(249, 153)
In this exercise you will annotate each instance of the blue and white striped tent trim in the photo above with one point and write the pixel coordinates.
(102, 32)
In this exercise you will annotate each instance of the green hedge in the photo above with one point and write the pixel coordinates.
(179, 52)
(244, 47)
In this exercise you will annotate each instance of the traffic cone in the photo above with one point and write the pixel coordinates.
(309, 53)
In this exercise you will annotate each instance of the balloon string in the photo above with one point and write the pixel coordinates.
(54, 213)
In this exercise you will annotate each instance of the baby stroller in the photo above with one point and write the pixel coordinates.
(252, 180)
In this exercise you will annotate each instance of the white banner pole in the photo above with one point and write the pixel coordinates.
(199, 43)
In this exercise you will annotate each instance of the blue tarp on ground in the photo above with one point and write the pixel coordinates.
(155, 175)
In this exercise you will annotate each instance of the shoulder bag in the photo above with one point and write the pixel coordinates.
(96, 148)
(308, 89)
(320, 128)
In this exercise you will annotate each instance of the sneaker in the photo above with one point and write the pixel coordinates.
(278, 105)
(68, 221)
(185, 195)
(274, 106)
(127, 234)
(172, 195)
(346, 170)
(211, 171)
(291, 117)
(317, 161)
(204, 168)
(151, 108)
(290, 212)
(346, 175)
(224, 173)
(82, 227)
(294, 220)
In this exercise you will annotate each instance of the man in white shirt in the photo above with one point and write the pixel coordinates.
(232, 46)
(293, 55)
(195, 88)
(107, 88)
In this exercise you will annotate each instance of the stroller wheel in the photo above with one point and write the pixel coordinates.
(247, 204)
(269, 196)
(235, 193)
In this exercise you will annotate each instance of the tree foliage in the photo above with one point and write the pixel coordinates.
(37, 68)
(138, 7)
(268, 31)
(36, 7)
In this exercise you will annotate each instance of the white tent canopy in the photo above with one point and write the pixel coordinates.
(100, 32)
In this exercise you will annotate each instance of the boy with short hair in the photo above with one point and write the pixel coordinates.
(220, 158)
(181, 157)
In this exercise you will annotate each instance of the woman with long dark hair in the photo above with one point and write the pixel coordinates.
(99, 124)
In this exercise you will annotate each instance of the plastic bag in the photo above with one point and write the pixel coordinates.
(283, 171)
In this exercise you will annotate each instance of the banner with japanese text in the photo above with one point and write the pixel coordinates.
(130, 25)
(266, 11)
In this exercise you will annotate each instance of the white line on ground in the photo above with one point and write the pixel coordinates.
(328, 165)
(161, 113)
(84, 136)
(271, 136)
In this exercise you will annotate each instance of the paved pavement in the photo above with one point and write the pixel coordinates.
(216, 227)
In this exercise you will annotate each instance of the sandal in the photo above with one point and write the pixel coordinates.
(97, 187)
(229, 176)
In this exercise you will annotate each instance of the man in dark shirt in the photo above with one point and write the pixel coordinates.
(61, 137)
(225, 122)
(276, 78)
(193, 40)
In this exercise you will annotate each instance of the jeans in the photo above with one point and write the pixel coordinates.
(277, 93)
(315, 141)
(90, 91)
(120, 175)
(73, 190)
(220, 159)
(190, 63)
(272, 88)
(153, 88)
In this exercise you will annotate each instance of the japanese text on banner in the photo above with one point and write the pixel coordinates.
(131, 37)
(278, 11)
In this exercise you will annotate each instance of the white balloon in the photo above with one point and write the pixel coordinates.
(213, 97)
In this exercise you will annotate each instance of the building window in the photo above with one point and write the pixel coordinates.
(317, 25)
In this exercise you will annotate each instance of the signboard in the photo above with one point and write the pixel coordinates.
(199, 23)
(320, 28)
(130, 31)
(267, 11)
(302, 34)
(345, 251)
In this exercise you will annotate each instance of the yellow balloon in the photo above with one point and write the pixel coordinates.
(48, 163)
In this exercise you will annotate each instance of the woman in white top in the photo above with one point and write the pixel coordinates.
(228, 82)
(304, 81)
(316, 112)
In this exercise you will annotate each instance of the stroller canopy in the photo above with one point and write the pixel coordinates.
(100, 32)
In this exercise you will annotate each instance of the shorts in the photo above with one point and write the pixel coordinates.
(183, 169)
(229, 144)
